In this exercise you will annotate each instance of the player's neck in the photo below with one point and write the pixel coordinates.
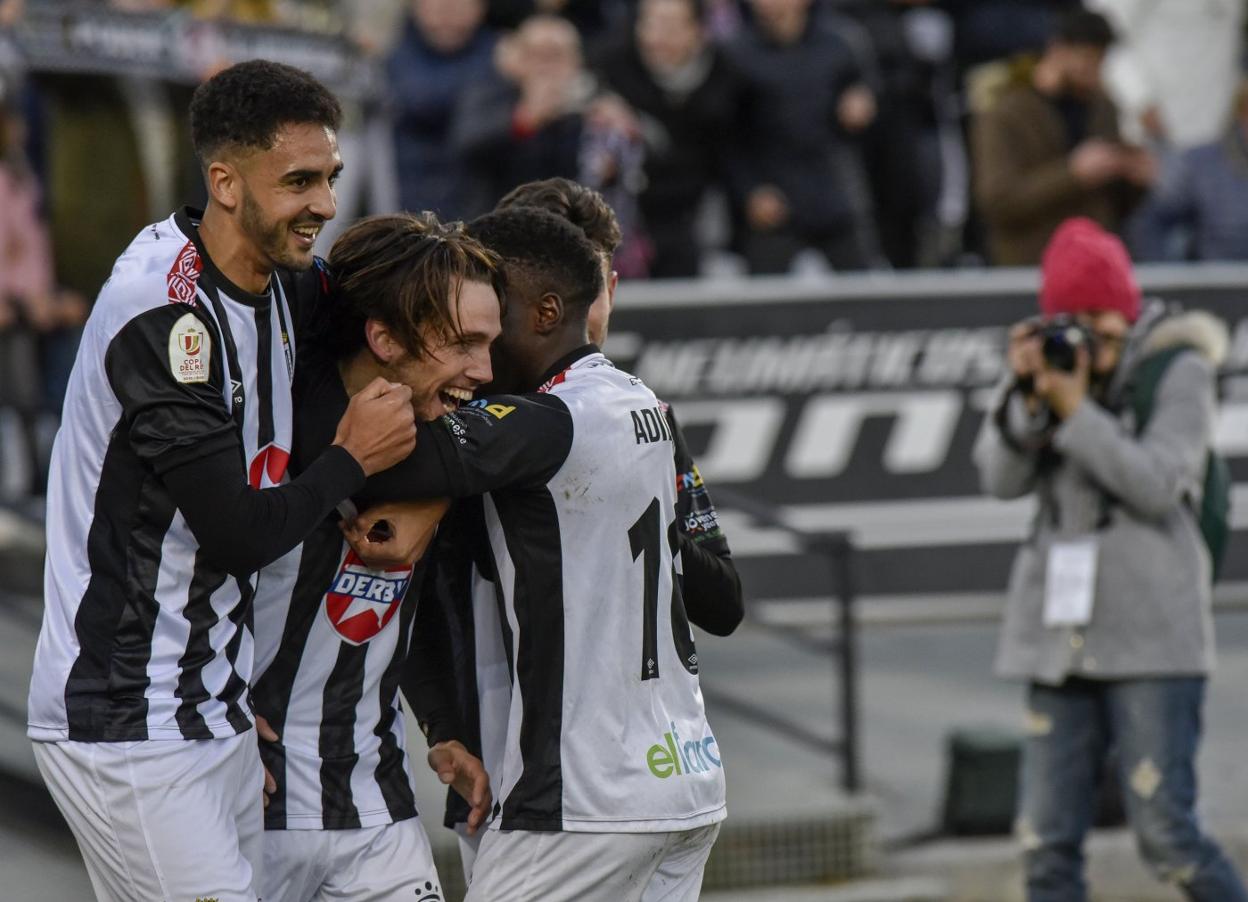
(232, 253)
(359, 370)
(557, 352)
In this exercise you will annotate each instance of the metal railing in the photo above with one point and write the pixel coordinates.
(836, 550)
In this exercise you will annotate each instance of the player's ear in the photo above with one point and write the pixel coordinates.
(381, 341)
(547, 313)
(224, 185)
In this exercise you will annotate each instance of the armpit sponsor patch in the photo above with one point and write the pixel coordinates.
(190, 349)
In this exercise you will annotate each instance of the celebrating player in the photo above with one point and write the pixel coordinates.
(710, 585)
(415, 302)
(610, 784)
(168, 491)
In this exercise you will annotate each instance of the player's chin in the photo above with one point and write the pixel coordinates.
(298, 254)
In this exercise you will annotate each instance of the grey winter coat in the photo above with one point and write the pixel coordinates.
(1137, 496)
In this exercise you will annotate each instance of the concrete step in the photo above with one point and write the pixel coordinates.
(990, 870)
(901, 889)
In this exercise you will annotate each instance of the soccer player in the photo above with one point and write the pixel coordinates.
(610, 785)
(712, 588)
(169, 491)
(414, 302)
(710, 584)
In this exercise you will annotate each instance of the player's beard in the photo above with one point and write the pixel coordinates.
(272, 238)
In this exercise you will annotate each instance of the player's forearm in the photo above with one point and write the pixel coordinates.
(241, 529)
(712, 589)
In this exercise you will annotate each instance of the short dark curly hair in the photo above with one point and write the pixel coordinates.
(542, 253)
(584, 207)
(246, 105)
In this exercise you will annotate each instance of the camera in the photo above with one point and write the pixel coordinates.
(1060, 341)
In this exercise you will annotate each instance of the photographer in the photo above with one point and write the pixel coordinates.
(1108, 616)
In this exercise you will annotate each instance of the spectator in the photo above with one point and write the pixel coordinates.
(1174, 69)
(902, 148)
(542, 116)
(1047, 148)
(689, 100)
(1108, 615)
(39, 325)
(591, 17)
(1201, 199)
(807, 99)
(445, 48)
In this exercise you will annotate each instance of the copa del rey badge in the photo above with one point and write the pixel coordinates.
(189, 350)
(362, 601)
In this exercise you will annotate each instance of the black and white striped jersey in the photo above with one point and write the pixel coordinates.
(331, 691)
(604, 729)
(141, 637)
(463, 569)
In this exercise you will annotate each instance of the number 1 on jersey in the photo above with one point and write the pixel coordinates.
(644, 537)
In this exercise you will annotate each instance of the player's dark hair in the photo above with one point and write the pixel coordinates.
(543, 253)
(1083, 28)
(400, 269)
(246, 105)
(584, 207)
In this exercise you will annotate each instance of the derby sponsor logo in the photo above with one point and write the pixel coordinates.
(189, 350)
(362, 601)
(676, 758)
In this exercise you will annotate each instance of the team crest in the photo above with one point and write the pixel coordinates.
(362, 601)
(189, 350)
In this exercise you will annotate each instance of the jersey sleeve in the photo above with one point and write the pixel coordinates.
(166, 370)
(695, 513)
(505, 441)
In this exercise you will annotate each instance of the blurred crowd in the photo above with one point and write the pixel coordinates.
(743, 136)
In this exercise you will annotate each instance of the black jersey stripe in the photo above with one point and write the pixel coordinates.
(341, 697)
(105, 690)
(391, 773)
(264, 376)
(531, 522)
(235, 688)
(202, 617)
(317, 563)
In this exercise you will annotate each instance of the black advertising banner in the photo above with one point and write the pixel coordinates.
(854, 404)
(89, 38)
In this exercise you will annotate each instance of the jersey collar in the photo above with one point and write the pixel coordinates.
(188, 219)
(569, 360)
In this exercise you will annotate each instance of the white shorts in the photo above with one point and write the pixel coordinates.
(386, 863)
(469, 846)
(528, 866)
(162, 820)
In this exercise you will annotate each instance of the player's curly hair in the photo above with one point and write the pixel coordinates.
(400, 269)
(245, 105)
(542, 253)
(584, 207)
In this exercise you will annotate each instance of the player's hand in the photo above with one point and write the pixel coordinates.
(379, 427)
(267, 734)
(459, 768)
(394, 535)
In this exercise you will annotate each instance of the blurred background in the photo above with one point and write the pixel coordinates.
(832, 210)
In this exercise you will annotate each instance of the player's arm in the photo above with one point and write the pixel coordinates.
(177, 423)
(428, 684)
(499, 442)
(710, 584)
